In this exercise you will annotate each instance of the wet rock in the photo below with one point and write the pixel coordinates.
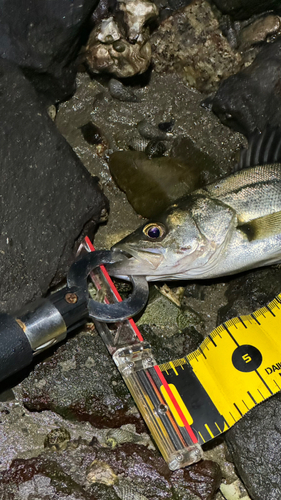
(252, 98)
(24, 433)
(168, 7)
(167, 347)
(165, 318)
(185, 150)
(80, 382)
(166, 126)
(203, 479)
(250, 35)
(166, 96)
(152, 183)
(43, 37)
(47, 195)
(90, 472)
(191, 44)
(243, 9)
(102, 11)
(40, 478)
(217, 451)
(191, 340)
(250, 291)
(255, 443)
(259, 30)
(91, 133)
(206, 297)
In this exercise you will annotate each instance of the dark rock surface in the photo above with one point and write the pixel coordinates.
(190, 44)
(47, 196)
(252, 98)
(176, 346)
(250, 291)
(242, 9)
(255, 443)
(43, 38)
(80, 382)
(88, 471)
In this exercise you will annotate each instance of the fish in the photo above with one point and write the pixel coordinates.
(226, 227)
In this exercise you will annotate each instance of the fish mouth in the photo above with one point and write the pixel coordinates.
(136, 263)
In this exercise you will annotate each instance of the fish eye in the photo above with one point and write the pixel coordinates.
(154, 231)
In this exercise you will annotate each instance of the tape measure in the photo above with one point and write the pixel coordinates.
(189, 401)
(235, 368)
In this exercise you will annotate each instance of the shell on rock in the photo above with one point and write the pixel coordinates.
(107, 31)
(137, 143)
(136, 15)
(101, 472)
(104, 58)
(126, 492)
(150, 131)
(57, 439)
(121, 92)
(110, 50)
(155, 149)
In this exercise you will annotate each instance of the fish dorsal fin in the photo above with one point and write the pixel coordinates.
(263, 148)
(262, 227)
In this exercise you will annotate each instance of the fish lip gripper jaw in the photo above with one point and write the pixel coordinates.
(47, 322)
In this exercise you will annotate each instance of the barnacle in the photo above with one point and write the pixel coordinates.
(136, 14)
(110, 50)
(101, 472)
(133, 60)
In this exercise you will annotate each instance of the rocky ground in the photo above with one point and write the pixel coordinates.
(69, 427)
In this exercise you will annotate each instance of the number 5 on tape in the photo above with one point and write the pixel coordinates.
(236, 367)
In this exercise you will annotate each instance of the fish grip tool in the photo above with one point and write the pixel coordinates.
(47, 321)
(134, 359)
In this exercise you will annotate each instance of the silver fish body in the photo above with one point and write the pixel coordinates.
(227, 227)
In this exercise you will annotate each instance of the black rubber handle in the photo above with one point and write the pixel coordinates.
(15, 350)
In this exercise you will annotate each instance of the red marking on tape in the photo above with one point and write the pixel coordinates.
(176, 405)
(114, 289)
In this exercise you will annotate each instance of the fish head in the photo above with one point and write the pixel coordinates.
(177, 245)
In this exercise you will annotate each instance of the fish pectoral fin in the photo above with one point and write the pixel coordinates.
(262, 227)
